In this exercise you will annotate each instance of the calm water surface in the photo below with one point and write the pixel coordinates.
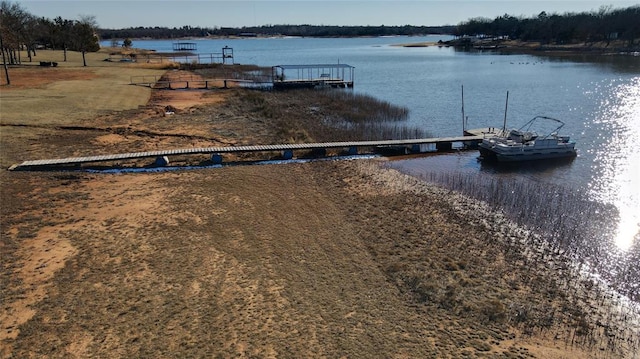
(597, 97)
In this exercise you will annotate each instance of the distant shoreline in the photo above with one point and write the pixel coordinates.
(260, 36)
(502, 46)
(535, 47)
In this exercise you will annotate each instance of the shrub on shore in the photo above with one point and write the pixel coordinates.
(330, 115)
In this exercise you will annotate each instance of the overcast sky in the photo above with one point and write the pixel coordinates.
(116, 14)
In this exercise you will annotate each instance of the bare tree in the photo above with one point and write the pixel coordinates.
(29, 34)
(4, 58)
(12, 28)
(62, 34)
(84, 36)
(12, 20)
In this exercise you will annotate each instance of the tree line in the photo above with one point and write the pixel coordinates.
(273, 30)
(604, 25)
(20, 30)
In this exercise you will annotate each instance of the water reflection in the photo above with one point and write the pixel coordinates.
(621, 62)
(544, 168)
(616, 164)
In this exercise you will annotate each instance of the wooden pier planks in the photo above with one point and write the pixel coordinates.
(237, 149)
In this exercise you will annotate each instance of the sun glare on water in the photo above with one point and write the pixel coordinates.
(628, 202)
(619, 180)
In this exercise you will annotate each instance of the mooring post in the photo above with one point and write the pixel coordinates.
(287, 154)
(415, 148)
(353, 150)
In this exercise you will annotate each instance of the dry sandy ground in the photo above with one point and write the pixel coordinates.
(320, 259)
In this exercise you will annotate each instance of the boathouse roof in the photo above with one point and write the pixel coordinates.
(315, 66)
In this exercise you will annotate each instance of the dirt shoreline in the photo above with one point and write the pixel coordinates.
(321, 259)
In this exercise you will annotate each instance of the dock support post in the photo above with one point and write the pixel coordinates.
(319, 152)
(353, 150)
(472, 145)
(162, 161)
(444, 146)
(216, 158)
(287, 154)
(415, 148)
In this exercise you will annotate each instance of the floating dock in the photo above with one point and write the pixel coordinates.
(352, 147)
(484, 132)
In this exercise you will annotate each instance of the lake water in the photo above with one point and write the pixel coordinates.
(598, 97)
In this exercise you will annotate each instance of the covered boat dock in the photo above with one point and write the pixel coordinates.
(309, 76)
(185, 46)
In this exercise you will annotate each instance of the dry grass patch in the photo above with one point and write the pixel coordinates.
(47, 108)
(87, 93)
(70, 93)
(30, 77)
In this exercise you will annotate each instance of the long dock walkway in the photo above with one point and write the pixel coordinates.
(442, 143)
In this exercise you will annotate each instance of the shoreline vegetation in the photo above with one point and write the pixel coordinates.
(534, 47)
(506, 46)
(608, 30)
(319, 259)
